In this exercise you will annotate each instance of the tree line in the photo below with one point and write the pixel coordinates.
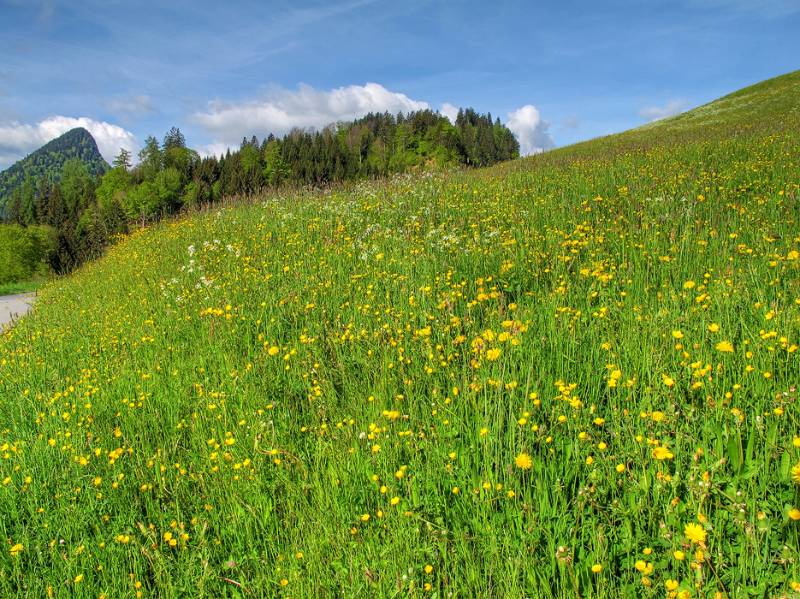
(84, 212)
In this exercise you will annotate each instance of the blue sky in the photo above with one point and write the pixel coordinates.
(219, 70)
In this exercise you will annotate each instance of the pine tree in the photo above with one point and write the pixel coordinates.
(174, 139)
(123, 159)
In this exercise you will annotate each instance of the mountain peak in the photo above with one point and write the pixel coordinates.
(48, 161)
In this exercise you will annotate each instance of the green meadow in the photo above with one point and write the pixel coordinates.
(573, 374)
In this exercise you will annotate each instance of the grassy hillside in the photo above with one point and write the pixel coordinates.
(573, 374)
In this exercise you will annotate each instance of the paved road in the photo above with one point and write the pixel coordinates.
(13, 307)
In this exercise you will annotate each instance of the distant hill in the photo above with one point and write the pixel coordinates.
(48, 160)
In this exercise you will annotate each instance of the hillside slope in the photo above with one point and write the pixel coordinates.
(573, 374)
(48, 161)
(755, 106)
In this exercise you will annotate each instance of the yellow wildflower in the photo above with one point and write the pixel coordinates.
(695, 533)
(725, 347)
(524, 461)
(662, 453)
(493, 354)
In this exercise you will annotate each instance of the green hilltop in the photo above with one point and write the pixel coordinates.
(753, 106)
(47, 162)
(573, 374)
(770, 105)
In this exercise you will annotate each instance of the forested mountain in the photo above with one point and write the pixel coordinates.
(48, 161)
(60, 186)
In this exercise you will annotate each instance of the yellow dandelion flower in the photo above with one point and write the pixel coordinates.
(695, 533)
(725, 347)
(662, 453)
(646, 568)
(493, 354)
(523, 461)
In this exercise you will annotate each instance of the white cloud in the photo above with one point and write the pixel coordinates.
(281, 110)
(450, 111)
(215, 149)
(19, 139)
(530, 130)
(655, 113)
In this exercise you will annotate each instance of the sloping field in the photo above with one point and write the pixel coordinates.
(574, 374)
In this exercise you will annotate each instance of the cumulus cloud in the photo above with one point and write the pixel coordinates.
(450, 111)
(530, 130)
(19, 139)
(656, 113)
(281, 110)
